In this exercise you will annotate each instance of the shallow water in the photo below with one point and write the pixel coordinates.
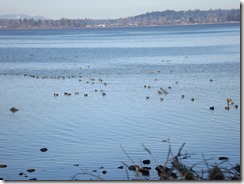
(90, 130)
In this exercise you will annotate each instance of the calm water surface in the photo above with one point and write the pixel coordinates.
(90, 130)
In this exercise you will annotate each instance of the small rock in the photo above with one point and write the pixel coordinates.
(21, 174)
(3, 165)
(192, 99)
(211, 80)
(211, 108)
(223, 158)
(146, 162)
(43, 149)
(120, 167)
(13, 109)
(104, 172)
(144, 171)
(33, 179)
(76, 165)
(235, 106)
(30, 170)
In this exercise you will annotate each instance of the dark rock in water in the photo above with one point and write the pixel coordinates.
(235, 106)
(43, 149)
(94, 170)
(192, 99)
(120, 167)
(76, 165)
(148, 168)
(1, 178)
(144, 171)
(104, 172)
(133, 167)
(211, 108)
(13, 109)
(165, 171)
(223, 158)
(33, 179)
(211, 80)
(146, 162)
(21, 174)
(30, 170)
(3, 166)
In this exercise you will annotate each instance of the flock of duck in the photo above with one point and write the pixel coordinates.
(161, 91)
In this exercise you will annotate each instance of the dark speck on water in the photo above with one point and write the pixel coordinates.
(30, 170)
(43, 149)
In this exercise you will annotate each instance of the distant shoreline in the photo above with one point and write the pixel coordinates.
(158, 18)
(108, 27)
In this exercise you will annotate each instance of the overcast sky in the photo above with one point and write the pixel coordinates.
(99, 9)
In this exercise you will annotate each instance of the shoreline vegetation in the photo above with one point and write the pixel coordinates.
(173, 169)
(162, 18)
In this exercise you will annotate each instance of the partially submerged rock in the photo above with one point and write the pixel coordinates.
(146, 162)
(43, 149)
(223, 158)
(120, 167)
(3, 165)
(30, 170)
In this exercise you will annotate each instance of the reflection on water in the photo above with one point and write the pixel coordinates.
(89, 130)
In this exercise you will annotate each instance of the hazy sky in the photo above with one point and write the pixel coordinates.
(99, 9)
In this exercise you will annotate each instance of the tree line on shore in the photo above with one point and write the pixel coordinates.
(168, 17)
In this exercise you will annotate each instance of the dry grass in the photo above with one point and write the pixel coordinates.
(174, 169)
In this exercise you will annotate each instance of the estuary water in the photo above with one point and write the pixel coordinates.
(86, 134)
